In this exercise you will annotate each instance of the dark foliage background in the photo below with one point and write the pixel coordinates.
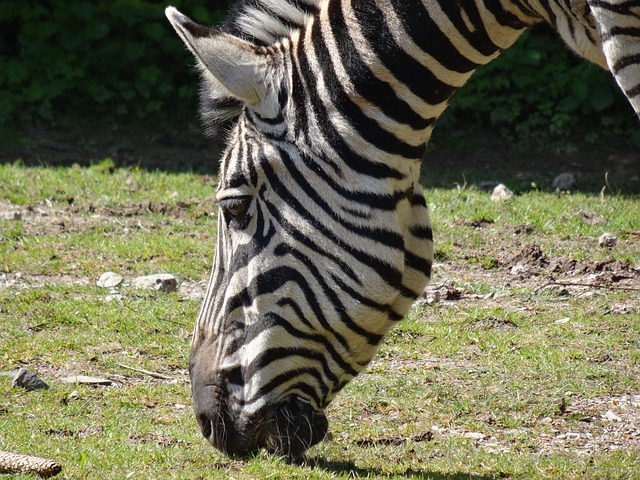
(119, 60)
(115, 59)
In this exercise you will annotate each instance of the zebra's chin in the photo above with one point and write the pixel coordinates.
(285, 430)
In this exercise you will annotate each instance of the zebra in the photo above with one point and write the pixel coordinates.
(324, 238)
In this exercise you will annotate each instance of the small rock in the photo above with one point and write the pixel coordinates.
(564, 181)
(162, 282)
(592, 218)
(501, 192)
(29, 381)
(10, 216)
(110, 280)
(474, 435)
(114, 297)
(611, 416)
(607, 240)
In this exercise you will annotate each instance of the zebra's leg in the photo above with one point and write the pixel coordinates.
(618, 23)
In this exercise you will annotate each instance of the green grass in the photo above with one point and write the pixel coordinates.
(510, 381)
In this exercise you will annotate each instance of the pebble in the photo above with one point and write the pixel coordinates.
(501, 192)
(162, 282)
(10, 216)
(607, 240)
(110, 280)
(611, 416)
(564, 181)
(29, 381)
(114, 297)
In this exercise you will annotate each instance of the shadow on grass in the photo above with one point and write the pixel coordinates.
(353, 471)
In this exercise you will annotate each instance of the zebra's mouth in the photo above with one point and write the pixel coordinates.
(292, 428)
(286, 430)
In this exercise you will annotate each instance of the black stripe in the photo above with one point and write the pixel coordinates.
(623, 8)
(378, 92)
(625, 62)
(372, 338)
(273, 354)
(384, 308)
(276, 214)
(387, 238)
(506, 17)
(426, 33)
(623, 31)
(390, 274)
(422, 232)
(351, 159)
(368, 128)
(287, 302)
(418, 263)
(422, 82)
(368, 199)
(478, 38)
(286, 377)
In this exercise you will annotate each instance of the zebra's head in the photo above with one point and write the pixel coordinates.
(320, 252)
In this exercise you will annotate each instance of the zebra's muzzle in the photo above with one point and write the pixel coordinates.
(292, 428)
(287, 429)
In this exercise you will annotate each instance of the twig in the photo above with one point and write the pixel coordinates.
(17, 463)
(146, 372)
(590, 285)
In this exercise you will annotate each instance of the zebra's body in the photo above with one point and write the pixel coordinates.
(324, 236)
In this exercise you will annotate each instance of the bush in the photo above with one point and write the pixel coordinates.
(113, 58)
(120, 59)
(538, 90)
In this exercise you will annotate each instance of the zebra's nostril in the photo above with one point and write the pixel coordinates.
(205, 426)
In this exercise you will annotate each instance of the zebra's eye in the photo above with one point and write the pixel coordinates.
(235, 207)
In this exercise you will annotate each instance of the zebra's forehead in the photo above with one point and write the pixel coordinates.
(247, 152)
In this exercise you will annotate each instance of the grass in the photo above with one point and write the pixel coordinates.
(510, 380)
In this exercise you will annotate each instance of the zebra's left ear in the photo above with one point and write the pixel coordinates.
(232, 61)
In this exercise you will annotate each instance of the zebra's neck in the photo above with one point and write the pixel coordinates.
(380, 73)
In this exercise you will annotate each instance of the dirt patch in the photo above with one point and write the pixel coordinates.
(138, 209)
(161, 439)
(593, 425)
(532, 261)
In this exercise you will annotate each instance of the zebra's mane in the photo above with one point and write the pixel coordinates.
(262, 22)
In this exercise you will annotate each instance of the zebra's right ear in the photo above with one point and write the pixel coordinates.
(232, 61)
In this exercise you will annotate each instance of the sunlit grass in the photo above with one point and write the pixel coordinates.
(461, 389)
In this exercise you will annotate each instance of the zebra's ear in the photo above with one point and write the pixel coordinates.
(232, 61)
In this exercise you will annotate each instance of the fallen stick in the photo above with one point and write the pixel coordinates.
(146, 372)
(18, 463)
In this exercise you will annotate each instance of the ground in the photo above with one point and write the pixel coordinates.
(493, 275)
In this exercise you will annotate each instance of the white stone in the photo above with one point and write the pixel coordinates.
(109, 280)
(10, 216)
(611, 416)
(162, 282)
(607, 240)
(501, 192)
